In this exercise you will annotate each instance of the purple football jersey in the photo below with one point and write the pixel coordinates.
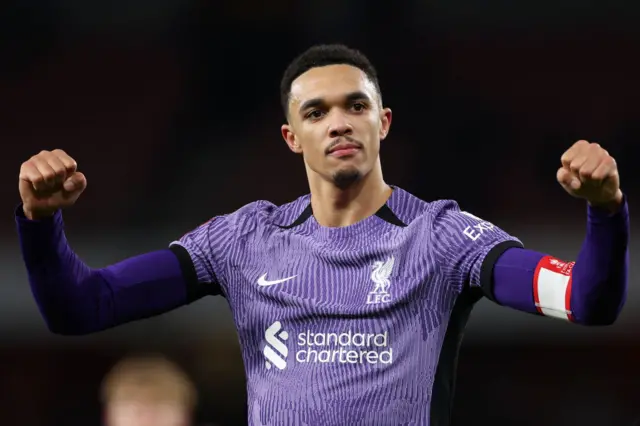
(356, 325)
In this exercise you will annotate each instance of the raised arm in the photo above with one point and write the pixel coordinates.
(591, 291)
(72, 297)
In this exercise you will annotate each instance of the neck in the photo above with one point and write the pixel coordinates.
(337, 207)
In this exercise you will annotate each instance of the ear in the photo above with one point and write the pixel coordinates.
(290, 138)
(385, 122)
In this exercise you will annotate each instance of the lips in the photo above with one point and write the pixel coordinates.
(345, 147)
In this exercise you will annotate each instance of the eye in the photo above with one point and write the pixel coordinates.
(358, 107)
(314, 114)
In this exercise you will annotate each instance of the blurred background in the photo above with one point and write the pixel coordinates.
(172, 110)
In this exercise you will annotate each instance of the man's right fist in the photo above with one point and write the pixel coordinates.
(49, 181)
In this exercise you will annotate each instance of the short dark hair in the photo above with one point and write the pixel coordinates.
(319, 56)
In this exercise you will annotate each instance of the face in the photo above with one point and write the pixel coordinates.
(145, 413)
(336, 122)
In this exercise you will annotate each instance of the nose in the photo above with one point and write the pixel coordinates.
(339, 126)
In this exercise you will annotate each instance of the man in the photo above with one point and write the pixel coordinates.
(349, 302)
(147, 390)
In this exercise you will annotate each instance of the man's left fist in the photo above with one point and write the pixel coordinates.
(589, 172)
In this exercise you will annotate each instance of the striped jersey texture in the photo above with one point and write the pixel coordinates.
(356, 325)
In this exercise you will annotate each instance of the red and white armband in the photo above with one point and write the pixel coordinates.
(552, 288)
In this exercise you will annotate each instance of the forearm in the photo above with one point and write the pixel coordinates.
(76, 299)
(592, 292)
(602, 267)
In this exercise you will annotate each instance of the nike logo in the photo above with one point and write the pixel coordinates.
(262, 281)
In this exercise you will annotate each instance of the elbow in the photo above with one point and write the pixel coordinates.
(601, 310)
(75, 312)
(66, 330)
(598, 320)
(601, 316)
(59, 317)
(66, 323)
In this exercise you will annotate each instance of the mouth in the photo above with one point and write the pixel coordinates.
(344, 149)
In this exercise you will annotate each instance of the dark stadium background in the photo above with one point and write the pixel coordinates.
(172, 111)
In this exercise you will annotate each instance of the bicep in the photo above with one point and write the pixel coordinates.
(146, 285)
(530, 281)
(97, 299)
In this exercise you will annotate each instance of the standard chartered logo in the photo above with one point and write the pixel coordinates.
(276, 351)
(310, 347)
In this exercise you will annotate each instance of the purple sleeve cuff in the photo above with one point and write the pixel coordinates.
(599, 277)
(76, 299)
(598, 215)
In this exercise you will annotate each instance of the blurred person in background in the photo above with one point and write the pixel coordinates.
(148, 391)
(351, 301)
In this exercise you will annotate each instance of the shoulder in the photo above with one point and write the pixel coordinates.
(261, 213)
(409, 208)
(283, 215)
(440, 217)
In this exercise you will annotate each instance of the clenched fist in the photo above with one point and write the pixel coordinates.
(590, 173)
(49, 181)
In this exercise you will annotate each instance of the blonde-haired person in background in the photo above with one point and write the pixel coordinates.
(148, 390)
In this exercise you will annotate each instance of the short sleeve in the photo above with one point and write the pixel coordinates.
(466, 247)
(205, 252)
(201, 253)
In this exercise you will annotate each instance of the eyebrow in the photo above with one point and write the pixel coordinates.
(351, 97)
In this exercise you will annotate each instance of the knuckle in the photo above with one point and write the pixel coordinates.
(30, 164)
(24, 173)
(566, 158)
(47, 175)
(65, 158)
(41, 156)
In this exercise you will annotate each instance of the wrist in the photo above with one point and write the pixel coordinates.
(612, 206)
(36, 214)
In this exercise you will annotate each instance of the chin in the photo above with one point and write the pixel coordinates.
(346, 177)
